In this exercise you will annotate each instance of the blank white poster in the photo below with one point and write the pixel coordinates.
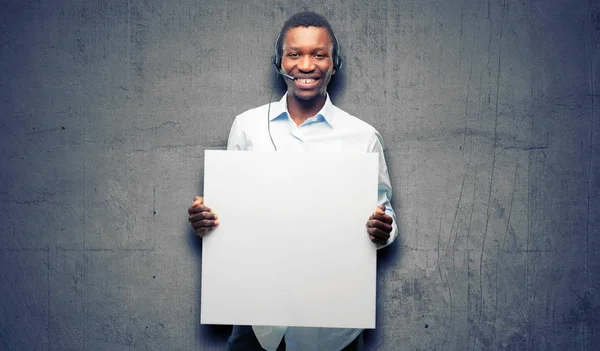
(292, 247)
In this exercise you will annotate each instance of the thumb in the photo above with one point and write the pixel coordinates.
(198, 201)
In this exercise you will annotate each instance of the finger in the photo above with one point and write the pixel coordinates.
(201, 231)
(380, 209)
(202, 216)
(198, 209)
(378, 214)
(378, 241)
(206, 226)
(378, 245)
(379, 234)
(385, 218)
(374, 223)
(205, 223)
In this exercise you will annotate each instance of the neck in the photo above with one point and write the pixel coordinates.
(301, 110)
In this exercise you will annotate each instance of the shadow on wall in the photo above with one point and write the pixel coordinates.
(387, 258)
(213, 335)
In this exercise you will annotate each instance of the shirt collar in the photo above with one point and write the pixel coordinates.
(279, 109)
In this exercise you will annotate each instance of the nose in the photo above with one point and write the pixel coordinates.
(306, 63)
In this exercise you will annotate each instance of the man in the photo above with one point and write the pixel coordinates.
(307, 55)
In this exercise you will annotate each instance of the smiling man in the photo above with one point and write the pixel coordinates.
(307, 56)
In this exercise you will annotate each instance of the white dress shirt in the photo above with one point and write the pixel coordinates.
(331, 129)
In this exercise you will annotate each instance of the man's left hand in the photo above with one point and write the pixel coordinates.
(379, 226)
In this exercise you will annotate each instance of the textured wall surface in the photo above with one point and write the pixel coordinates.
(490, 115)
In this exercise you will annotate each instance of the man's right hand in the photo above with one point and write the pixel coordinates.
(202, 218)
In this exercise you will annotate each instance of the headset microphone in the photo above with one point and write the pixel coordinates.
(284, 75)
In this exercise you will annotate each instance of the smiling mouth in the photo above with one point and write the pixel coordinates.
(306, 80)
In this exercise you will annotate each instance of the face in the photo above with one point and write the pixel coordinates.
(307, 55)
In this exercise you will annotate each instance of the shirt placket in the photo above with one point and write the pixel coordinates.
(298, 133)
(304, 132)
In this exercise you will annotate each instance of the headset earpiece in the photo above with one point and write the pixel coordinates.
(338, 62)
(276, 61)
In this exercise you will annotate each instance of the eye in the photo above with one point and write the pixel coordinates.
(320, 56)
(293, 55)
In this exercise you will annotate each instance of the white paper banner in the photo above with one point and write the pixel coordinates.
(292, 247)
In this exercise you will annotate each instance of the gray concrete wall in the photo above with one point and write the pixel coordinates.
(489, 111)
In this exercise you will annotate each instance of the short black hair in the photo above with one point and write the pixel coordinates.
(306, 19)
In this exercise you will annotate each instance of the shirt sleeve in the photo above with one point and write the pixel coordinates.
(237, 137)
(384, 187)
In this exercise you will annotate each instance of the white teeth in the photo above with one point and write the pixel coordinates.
(306, 80)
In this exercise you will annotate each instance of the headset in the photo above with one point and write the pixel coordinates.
(338, 62)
